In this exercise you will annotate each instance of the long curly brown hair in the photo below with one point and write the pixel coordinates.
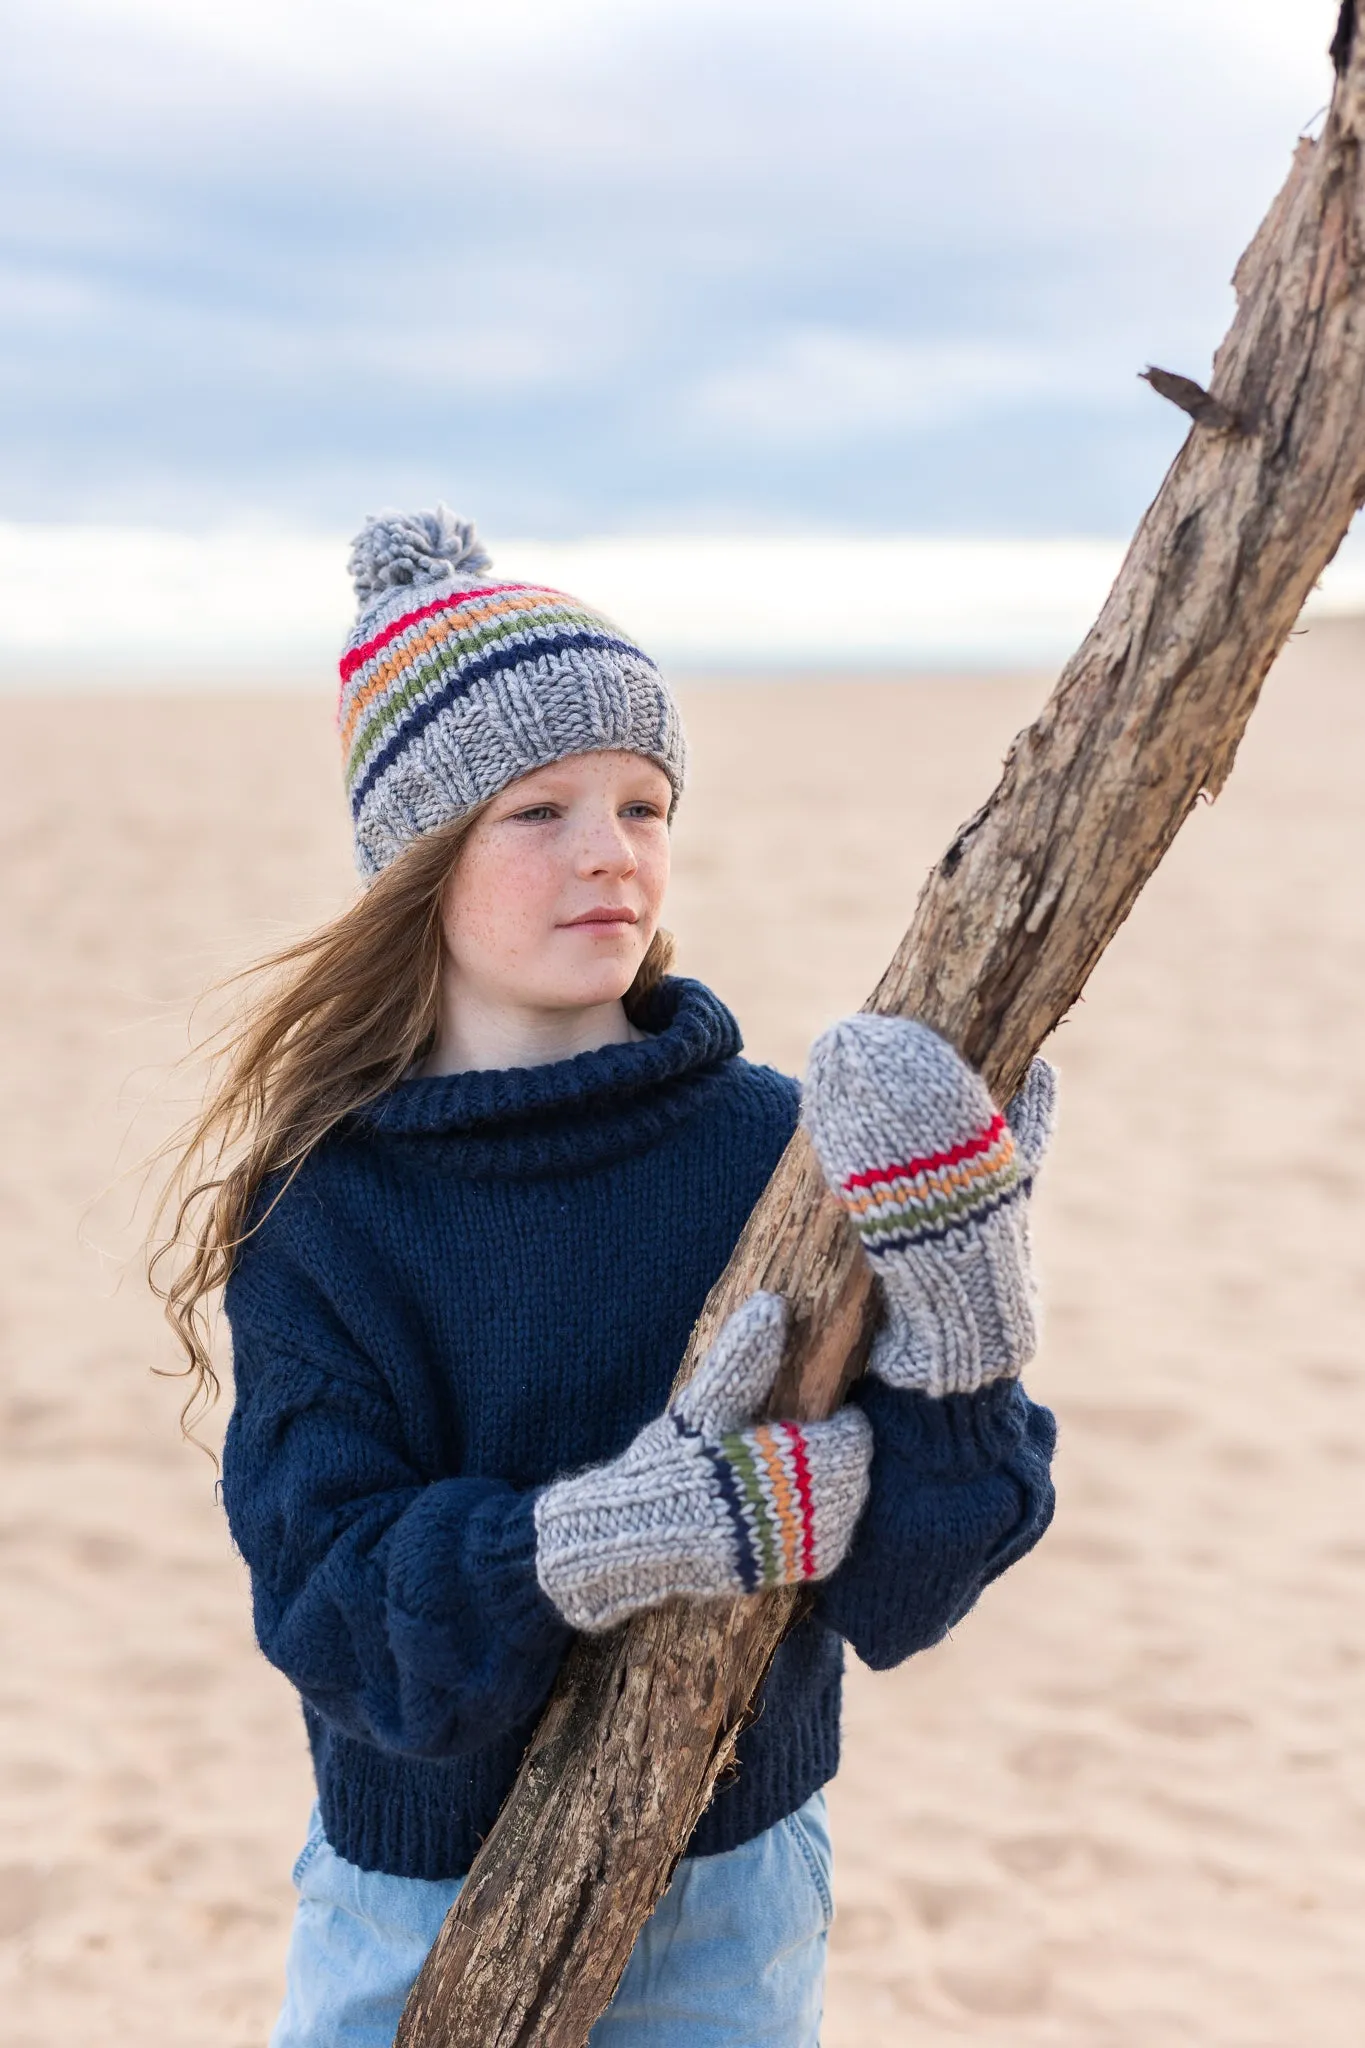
(324, 1026)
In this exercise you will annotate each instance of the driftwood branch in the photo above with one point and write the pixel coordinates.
(1343, 42)
(1008, 928)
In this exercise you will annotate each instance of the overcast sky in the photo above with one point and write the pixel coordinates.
(625, 266)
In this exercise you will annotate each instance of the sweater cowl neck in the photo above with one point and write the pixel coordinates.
(574, 1113)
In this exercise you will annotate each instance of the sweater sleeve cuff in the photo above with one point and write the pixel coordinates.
(960, 1489)
(502, 1547)
(467, 1610)
(951, 1436)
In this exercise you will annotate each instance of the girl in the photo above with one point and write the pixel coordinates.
(488, 1159)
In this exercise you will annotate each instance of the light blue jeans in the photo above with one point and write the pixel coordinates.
(733, 1955)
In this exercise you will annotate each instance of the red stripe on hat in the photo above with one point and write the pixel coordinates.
(801, 1467)
(358, 656)
(970, 1148)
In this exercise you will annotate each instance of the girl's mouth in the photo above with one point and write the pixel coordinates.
(607, 914)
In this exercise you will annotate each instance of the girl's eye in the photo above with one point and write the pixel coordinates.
(534, 814)
(642, 810)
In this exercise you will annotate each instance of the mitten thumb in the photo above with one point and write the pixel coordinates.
(733, 1381)
(1031, 1113)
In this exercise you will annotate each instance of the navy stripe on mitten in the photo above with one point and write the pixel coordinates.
(706, 1501)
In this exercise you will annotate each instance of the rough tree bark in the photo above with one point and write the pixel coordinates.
(1010, 923)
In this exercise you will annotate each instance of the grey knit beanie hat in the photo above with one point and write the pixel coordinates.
(454, 683)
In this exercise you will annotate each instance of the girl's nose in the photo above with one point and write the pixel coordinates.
(606, 849)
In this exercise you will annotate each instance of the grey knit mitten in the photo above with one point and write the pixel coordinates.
(936, 1179)
(704, 1501)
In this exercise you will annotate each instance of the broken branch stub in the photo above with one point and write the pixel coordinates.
(1007, 930)
(1203, 408)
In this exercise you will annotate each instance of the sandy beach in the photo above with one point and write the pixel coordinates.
(1125, 1805)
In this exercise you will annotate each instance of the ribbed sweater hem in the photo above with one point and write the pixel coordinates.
(414, 1819)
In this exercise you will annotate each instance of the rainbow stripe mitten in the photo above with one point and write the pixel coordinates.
(705, 1501)
(936, 1181)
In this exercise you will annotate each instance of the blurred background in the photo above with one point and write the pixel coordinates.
(805, 341)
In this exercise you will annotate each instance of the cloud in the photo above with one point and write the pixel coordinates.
(818, 385)
(596, 262)
(105, 598)
(93, 605)
(102, 599)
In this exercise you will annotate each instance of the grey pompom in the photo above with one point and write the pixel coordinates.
(414, 547)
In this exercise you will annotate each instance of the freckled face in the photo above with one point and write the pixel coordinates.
(558, 888)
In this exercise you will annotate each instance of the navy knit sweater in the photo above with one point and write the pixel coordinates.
(484, 1281)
